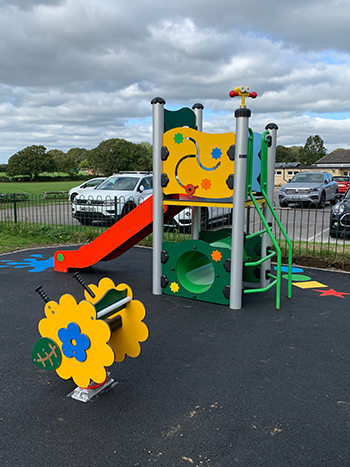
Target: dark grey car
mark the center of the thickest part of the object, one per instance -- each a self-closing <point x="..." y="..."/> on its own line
<point x="309" y="187"/>
<point x="340" y="218"/>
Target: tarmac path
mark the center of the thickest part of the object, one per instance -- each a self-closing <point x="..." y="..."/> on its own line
<point x="212" y="387"/>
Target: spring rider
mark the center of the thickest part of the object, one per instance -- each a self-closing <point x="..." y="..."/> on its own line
<point x="80" y="340"/>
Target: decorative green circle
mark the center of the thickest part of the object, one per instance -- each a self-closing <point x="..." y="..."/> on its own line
<point x="297" y="277"/>
<point x="60" y="257"/>
<point x="46" y="354"/>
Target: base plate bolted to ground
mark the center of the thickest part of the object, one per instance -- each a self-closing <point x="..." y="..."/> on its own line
<point x="85" y="395"/>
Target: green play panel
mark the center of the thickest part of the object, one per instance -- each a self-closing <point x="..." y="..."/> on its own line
<point x="179" y="118"/>
<point x="200" y="269"/>
<point x="195" y="269"/>
<point x="251" y="253"/>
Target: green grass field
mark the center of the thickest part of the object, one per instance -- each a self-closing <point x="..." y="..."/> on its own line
<point x="38" y="188"/>
<point x="21" y="236"/>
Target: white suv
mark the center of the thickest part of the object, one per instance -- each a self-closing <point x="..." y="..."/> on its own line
<point x="73" y="192"/>
<point x="114" y="198"/>
<point x="216" y="216"/>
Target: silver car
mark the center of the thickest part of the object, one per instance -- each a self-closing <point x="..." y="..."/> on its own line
<point x="309" y="188"/>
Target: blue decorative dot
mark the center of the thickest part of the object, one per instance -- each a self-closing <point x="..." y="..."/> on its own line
<point x="216" y="153"/>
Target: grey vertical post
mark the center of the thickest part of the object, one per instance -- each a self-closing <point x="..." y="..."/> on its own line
<point x="242" y="122"/>
<point x="158" y="130"/>
<point x="196" y="211"/>
<point x="266" y="241"/>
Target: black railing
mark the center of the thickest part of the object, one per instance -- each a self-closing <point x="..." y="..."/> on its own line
<point x="307" y="227"/>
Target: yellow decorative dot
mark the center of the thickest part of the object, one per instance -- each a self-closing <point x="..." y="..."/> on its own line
<point x="174" y="287"/>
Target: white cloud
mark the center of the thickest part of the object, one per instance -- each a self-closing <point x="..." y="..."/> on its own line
<point x="75" y="72"/>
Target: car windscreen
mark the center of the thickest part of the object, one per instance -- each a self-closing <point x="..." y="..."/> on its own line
<point x="307" y="178"/>
<point x="119" y="184"/>
<point x="341" y="179"/>
<point x="93" y="183"/>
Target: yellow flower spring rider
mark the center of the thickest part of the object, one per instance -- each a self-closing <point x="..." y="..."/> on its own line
<point x="80" y="340"/>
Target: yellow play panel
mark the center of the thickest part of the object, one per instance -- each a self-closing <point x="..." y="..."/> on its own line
<point x="197" y="163"/>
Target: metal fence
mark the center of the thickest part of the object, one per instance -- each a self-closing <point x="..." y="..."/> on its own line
<point x="307" y="228"/>
<point x="309" y="231"/>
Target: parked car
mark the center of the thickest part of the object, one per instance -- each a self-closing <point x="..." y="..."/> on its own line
<point x="340" y="217"/>
<point x="343" y="182"/>
<point x="94" y="182"/>
<point x="114" y="198"/>
<point x="309" y="187"/>
<point x="209" y="216"/>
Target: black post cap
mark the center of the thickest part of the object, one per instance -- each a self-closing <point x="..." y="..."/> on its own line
<point x="242" y="113"/>
<point x="271" y="126"/>
<point x="158" y="100"/>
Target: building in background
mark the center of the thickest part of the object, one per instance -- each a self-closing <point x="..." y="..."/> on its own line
<point x="336" y="163"/>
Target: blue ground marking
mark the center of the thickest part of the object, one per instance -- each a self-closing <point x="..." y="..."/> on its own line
<point x="285" y="269"/>
<point x="34" y="261"/>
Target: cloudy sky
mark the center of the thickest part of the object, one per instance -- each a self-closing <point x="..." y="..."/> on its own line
<point x="76" y="72"/>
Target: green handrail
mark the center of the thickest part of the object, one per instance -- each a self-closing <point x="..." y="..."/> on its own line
<point x="267" y="229"/>
<point x="255" y="234"/>
<point x="264" y="289"/>
<point x="278" y="251"/>
<point x="249" y="161"/>
<point x="260" y="261"/>
<point x="263" y="185"/>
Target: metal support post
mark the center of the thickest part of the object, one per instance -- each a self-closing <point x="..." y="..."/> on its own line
<point x="265" y="241"/>
<point x="158" y="130"/>
<point x="196" y="211"/>
<point x="242" y="123"/>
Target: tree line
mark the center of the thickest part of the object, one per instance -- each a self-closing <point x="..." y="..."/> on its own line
<point x="312" y="151"/>
<point x="117" y="154"/>
<point x="108" y="157"/>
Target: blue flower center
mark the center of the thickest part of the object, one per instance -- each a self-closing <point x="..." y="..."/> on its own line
<point x="74" y="343"/>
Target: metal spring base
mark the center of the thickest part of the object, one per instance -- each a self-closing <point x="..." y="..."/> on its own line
<point x="85" y="395"/>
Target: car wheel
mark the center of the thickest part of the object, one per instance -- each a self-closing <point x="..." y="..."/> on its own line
<point x="334" y="200"/>
<point x="229" y="218"/>
<point x="283" y="204"/>
<point x="333" y="234"/>
<point x="171" y="226"/>
<point x="322" y="200"/>
<point x="108" y="221"/>
<point x="128" y="208"/>
<point x="84" y="221"/>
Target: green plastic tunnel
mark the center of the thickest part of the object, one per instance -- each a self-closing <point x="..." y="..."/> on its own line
<point x="195" y="271"/>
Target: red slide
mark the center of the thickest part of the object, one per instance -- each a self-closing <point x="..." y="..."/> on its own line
<point x="115" y="241"/>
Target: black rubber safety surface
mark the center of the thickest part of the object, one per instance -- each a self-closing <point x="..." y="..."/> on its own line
<point x="212" y="387"/>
